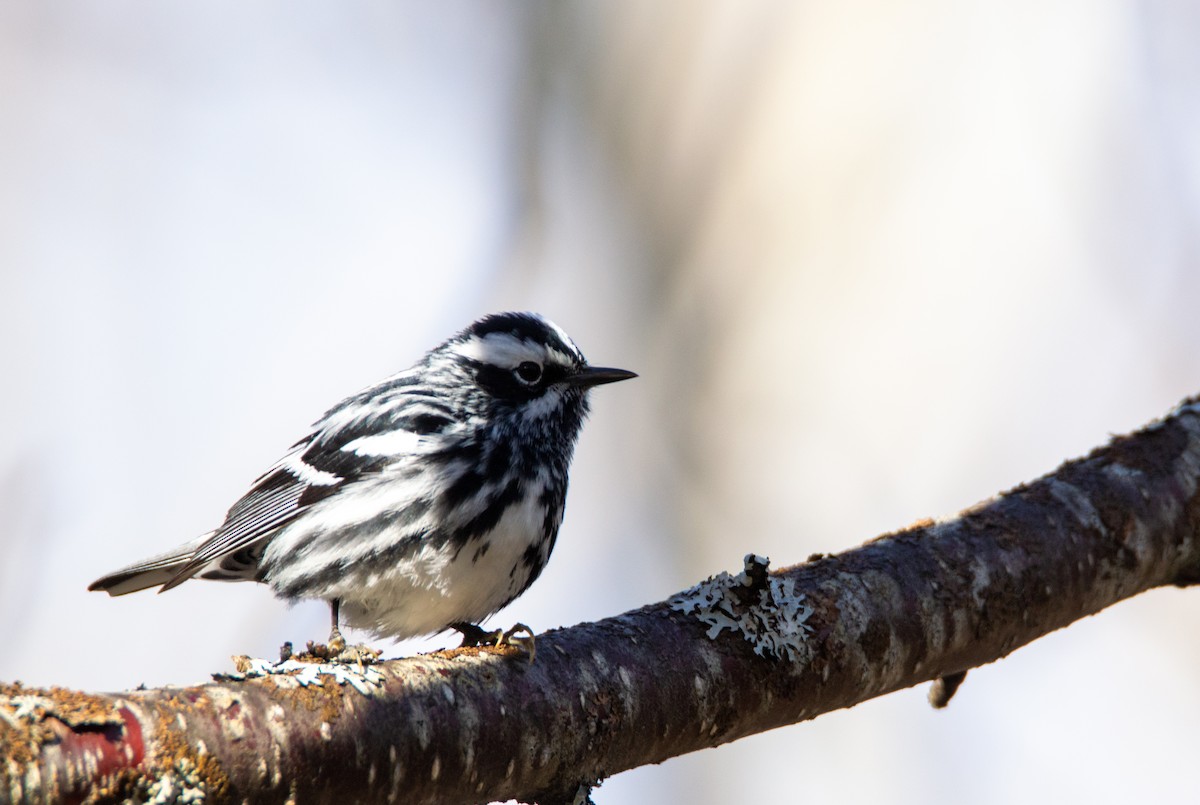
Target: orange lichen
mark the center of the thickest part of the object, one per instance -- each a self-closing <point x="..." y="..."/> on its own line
<point x="34" y="717"/>
<point x="172" y="754"/>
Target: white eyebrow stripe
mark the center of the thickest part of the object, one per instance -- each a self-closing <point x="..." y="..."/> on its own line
<point x="562" y="358"/>
<point x="501" y="349"/>
<point x="562" y="337"/>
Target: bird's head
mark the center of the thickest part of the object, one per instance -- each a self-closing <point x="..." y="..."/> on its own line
<point x="528" y="366"/>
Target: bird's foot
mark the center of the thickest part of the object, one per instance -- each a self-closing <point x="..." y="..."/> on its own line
<point x="476" y="636"/>
<point x="335" y="650"/>
<point x="360" y="654"/>
<point x="337" y="643"/>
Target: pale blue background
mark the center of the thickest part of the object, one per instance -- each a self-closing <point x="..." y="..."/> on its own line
<point x="874" y="262"/>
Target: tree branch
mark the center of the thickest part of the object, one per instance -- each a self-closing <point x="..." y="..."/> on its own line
<point x="731" y="657"/>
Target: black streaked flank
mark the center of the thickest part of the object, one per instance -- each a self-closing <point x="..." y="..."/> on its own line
<point x="497" y="504"/>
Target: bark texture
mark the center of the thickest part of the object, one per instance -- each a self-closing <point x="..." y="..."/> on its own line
<point x="735" y="655"/>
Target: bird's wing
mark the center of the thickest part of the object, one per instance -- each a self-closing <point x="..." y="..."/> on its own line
<point x="353" y="440"/>
<point x="277" y="497"/>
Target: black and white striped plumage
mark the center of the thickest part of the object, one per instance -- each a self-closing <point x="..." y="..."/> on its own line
<point x="430" y="499"/>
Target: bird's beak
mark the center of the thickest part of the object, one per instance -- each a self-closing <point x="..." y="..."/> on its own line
<point x="598" y="376"/>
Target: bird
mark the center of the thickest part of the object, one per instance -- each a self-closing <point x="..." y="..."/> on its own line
<point x="425" y="502"/>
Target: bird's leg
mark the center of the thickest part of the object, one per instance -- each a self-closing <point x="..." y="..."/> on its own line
<point x="337" y="650"/>
<point x="476" y="636"/>
<point x="337" y="643"/>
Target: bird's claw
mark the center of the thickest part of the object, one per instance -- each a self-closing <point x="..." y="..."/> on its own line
<point x="337" y="651"/>
<point x="337" y="643"/>
<point x="512" y="637"/>
<point x="474" y="636"/>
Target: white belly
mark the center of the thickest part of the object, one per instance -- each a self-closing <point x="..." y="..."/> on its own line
<point x="434" y="585"/>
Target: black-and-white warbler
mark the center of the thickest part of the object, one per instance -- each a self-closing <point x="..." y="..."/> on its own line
<point x="427" y="501"/>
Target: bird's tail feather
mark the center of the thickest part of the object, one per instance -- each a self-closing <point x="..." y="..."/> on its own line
<point x="152" y="572"/>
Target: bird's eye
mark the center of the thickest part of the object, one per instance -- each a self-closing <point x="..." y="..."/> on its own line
<point x="528" y="372"/>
